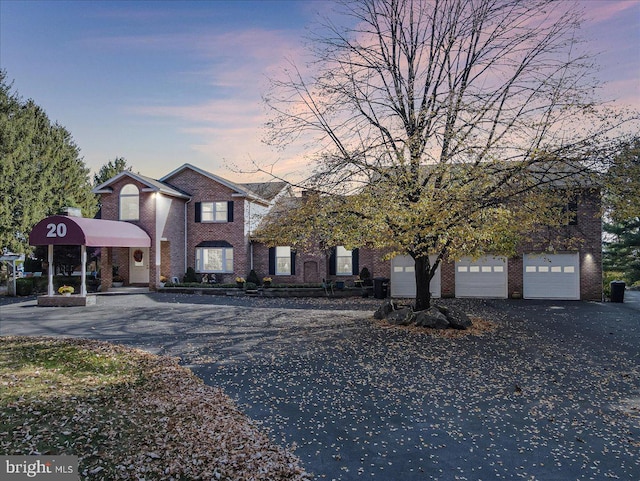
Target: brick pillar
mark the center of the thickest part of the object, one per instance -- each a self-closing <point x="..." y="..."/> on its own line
<point x="106" y="261"/>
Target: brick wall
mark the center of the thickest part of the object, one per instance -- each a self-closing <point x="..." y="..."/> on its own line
<point x="173" y="232"/>
<point x="585" y="238"/>
<point x="204" y="189"/>
<point x="317" y="260"/>
<point x="110" y="211"/>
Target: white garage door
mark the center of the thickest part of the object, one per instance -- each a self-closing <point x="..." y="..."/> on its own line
<point x="403" y="278"/>
<point x="551" y="276"/>
<point x="484" y="277"/>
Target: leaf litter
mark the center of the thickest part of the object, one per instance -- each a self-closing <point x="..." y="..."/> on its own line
<point x="148" y="418"/>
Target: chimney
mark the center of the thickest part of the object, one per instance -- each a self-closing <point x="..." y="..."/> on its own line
<point x="71" y="211"/>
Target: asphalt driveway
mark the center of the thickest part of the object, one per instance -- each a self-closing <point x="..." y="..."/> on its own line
<point x="552" y="393"/>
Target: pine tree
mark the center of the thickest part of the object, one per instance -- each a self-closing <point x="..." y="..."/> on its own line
<point x="41" y="170"/>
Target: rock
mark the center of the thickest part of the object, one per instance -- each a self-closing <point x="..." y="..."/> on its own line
<point x="432" y="318"/>
<point x="457" y="318"/>
<point x="401" y="317"/>
<point x="384" y="310"/>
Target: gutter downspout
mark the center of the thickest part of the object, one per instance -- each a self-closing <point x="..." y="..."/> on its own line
<point x="250" y="241"/>
<point x="185" y="233"/>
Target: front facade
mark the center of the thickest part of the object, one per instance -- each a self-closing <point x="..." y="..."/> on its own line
<point x="201" y="221"/>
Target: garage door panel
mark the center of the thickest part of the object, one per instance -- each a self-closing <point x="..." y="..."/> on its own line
<point x="551" y="276"/>
<point x="483" y="277"/>
<point x="403" y="278"/>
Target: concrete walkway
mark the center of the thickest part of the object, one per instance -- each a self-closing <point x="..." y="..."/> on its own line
<point x="552" y="394"/>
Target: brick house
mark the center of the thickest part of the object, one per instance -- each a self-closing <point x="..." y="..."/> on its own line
<point x="200" y="220"/>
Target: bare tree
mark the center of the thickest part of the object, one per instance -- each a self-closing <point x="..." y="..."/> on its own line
<point x="429" y="117"/>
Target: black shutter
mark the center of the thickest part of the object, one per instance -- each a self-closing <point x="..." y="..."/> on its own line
<point x="198" y="206"/>
<point x="332" y="262"/>
<point x="293" y="263"/>
<point x="230" y="211"/>
<point x="355" y="262"/>
<point x="272" y="261"/>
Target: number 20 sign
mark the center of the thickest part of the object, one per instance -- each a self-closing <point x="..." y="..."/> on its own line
<point x="56" y="230"/>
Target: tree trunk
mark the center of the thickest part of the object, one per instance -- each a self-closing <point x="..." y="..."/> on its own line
<point x="423" y="280"/>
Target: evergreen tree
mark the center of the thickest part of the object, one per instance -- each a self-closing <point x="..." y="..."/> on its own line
<point x="41" y="170"/>
<point x="110" y="169"/>
<point x="622" y="254"/>
<point x="622" y="201"/>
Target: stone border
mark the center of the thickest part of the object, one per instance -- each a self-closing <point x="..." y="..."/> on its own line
<point x="66" y="301"/>
<point x="270" y="292"/>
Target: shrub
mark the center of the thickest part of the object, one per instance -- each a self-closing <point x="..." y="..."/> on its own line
<point x="253" y="277"/>
<point x="190" y="276"/>
<point x="24" y="286"/>
<point x="250" y="286"/>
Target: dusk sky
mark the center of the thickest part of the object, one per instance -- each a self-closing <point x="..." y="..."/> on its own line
<point x="164" y="83"/>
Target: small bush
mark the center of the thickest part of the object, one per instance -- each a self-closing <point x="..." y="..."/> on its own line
<point x="253" y="277"/>
<point x="190" y="276"/>
<point x="250" y="286"/>
<point x="24" y="286"/>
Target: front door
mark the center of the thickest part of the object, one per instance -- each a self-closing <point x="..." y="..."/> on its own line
<point x="139" y="265"/>
<point x="311" y="272"/>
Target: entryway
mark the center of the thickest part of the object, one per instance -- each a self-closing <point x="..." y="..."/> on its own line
<point x="139" y="265"/>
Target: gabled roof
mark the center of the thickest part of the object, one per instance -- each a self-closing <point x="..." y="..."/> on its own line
<point x="265" y="190"/>
<point x="261" y="193"/>
<point x="153" y="185"/>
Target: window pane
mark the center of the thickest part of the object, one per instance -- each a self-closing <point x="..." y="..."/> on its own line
<point x="344" y="261"/>
<point x="221" y="212"/>
<point x="206" y="214"/>
<point x="283" y="266"/>
<point x="129" y="203"/>
<point x="214" y="260"/>
<point x="129" y="189"/>
<point x="213" y="211"/>
<point x="283" y="260"/>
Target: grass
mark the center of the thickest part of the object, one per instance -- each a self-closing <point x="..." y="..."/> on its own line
<point x="127" y="414"/>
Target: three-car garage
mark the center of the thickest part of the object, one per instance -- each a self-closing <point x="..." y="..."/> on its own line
<point x="543" y="276"/>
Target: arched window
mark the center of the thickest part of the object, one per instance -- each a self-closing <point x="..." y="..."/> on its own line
<point x="129" y="203"/>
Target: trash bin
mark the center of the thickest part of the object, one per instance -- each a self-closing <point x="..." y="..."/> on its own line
<point x="617" y="291"/>
<point x="380" y="287"/>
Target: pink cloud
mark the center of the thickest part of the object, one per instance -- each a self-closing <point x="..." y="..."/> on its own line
<point x="600" y="11"/>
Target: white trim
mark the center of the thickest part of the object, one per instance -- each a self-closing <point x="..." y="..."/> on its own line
<point x="240" y="192"/>
<point x="165" y="189"/>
